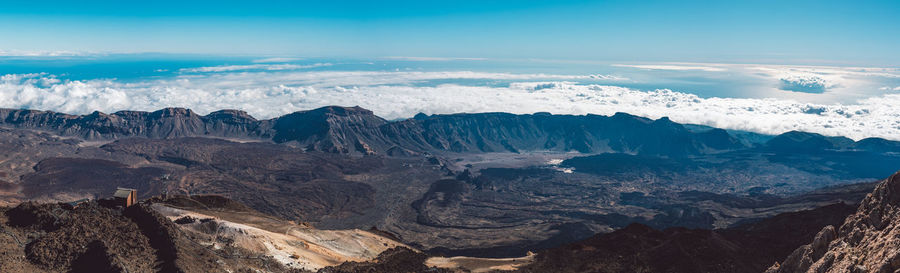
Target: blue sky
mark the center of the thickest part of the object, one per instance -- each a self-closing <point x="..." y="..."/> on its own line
<point x="828" y="67"/>
<point x="791" y="32"/>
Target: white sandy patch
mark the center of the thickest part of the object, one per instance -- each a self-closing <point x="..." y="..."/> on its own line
<point x="479" y="265"/>
<point x="301" y="247"/>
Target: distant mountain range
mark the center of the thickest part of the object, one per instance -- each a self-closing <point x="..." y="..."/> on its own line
<point x="354" y="130"/>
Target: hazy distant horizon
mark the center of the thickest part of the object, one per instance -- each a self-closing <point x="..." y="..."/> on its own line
<point x="828" y="67"/>
<point x="856" y="33"/>
<point x="848" y="101"/>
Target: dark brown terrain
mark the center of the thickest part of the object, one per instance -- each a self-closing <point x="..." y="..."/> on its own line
<point x="94" y="238"/>
<point x="392" y="260"/>
<point x="484" y="185"/>
<point x="639" y="248"/>
<point x="501" y="212"/>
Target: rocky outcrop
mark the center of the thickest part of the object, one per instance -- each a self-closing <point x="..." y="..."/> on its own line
<point x="868" y="241"/>
<point x="394" y="260"/>
<point x="165" y="123"/>
<point x="331" y="129"/>
<point x="98" y="236"/>
<point x="805" y="142"/>
<point x="94" y="238"/>
<point x="502" y="132"/>
<point x="639" y="248"/>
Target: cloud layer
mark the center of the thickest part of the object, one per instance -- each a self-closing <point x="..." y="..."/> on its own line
<point x="31" y="53"/>
<point x="675" y="67"/>
<point x="269" y="67"/>
<point x="398" y="95"/>
<point x="805" y="83"/>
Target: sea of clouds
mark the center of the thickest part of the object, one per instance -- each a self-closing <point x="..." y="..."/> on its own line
<point x="398" y="94"/>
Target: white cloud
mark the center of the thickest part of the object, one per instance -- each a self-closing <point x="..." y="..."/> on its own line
<point x="607" y="77"/>
<point x="431" y="59"/>
<point x="808" y="83"/>
<point x="773" y="69"/>
<point x="393" y="95"/>
<point x="46" y="53"/>
<point x="368" y="78"/>
<point x="826" y="70"/>
<point x="888" y="88"/>
<point x="676" y="67"/>
<point x="276" y="60"/>
<point x="827" y="80"/>
<point x="794" y="78"/>
<point x="270" y="67"/>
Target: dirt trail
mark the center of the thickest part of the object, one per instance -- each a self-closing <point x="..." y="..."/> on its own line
<point x="294" y="245"/>
<point x="479" y="265"/>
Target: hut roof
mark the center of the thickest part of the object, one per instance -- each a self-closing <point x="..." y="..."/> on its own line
<point x="122" y="192"/>
<point x="79" y="201"/>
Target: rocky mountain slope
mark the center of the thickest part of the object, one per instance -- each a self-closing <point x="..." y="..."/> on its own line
<point x="186" y="234"/>
<point x="93" y="238"/>
<point x="639" y="248"/>
<point x="867" y="241"/>
<point x="357" y="130"/>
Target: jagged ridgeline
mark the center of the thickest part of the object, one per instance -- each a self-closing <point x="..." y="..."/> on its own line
<point x="358" y="131"/>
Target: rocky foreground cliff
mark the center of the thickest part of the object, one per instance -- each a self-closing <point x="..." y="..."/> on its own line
<point x="186" y="234"/>
<point x="868" y="240"/>
<point x="638" y="248"/>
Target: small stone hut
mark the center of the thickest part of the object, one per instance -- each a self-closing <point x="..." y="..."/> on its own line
<point x="125" y="197"/>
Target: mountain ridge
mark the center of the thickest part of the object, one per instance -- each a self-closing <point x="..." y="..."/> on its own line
<point x="355" y="130"/>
